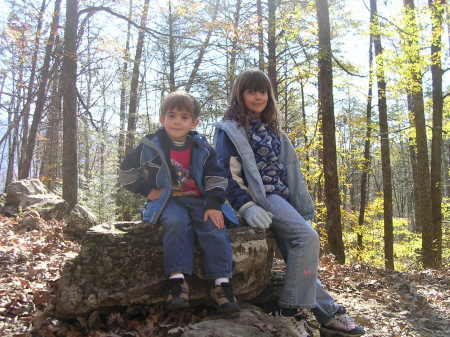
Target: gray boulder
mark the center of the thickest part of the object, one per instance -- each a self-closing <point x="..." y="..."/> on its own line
<point x="78" y="221"/>
<point x="122" y="264"/>
<point x="252" y="322"/>
<point x="31" y="195"/>
<point x="16" y="191"/>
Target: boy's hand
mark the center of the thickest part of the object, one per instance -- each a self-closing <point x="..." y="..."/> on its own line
<point x="215" y="216"/>
<point x="154" y="194"/>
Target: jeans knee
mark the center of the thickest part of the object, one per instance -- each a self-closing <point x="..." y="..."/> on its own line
<point x="308" y="239"/>
<point x="313" y="239"/>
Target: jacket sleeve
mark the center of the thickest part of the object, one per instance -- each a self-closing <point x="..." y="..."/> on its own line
<point x="229" y="159"/>
<point x="215" y="182"/>
<point x="132" y="176"/>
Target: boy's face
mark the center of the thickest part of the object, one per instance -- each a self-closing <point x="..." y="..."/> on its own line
<point x="177" y="123"/>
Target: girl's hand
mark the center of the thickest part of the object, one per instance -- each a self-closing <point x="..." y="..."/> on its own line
<point x="154" y="194"/>
<point x="257" y="217"/>
<point x="215" y="216"/>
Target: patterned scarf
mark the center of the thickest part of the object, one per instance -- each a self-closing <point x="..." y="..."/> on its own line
<point x="266" y="146"/>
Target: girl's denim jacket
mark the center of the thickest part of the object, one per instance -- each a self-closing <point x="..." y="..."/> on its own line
<point x="245" y="184"/>
<point x="147" y="167"/>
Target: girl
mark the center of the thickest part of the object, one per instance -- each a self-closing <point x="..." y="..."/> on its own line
<point x="267" y="188"/>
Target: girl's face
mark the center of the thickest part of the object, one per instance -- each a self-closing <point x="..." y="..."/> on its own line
<point x="255" y="101"/>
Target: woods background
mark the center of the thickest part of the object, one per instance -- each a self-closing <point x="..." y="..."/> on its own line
<point x="363" y="93"/>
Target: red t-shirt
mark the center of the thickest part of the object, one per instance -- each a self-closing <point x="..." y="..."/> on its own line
<point x="181" y="162"/>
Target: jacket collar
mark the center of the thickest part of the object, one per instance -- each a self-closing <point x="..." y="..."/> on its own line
<point x="161" y="137"/>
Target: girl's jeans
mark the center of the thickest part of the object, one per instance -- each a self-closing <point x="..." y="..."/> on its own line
<point x="183" y="224"/>
<point x="299" y="244"/>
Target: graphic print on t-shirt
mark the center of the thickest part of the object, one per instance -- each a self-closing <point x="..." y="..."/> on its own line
<point x="181" y="162"/>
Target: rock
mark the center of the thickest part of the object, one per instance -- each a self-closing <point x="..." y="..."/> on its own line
<point x="31" y="194"/>
<point x="252" y="322"/>
<point x="17" y="189"/>
<point x="122" y="264"/>
<point x="2" y="200"/>
<point x="30" y="221"/>
<point x="78" y="221"/>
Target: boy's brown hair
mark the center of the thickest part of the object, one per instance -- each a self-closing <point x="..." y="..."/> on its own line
<point x="183" y="101"/>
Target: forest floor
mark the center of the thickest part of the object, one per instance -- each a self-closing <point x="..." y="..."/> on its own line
<point x="414" y="303"/>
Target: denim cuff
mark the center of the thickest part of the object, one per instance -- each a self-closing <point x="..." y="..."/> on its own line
<point x="182" y="270"/>
<point x="214" y="276"/>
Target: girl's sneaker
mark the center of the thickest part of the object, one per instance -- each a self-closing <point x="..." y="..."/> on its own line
<point x="342" y="325"/>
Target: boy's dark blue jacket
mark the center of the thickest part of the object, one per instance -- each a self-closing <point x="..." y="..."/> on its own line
<point x="148" y="167"/>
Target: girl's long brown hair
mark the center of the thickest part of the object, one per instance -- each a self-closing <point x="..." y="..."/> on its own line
<point x="258" y="81"/>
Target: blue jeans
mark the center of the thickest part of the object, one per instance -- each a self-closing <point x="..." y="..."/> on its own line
<point x="182" y="219"/>
<point x="299" y="244"/>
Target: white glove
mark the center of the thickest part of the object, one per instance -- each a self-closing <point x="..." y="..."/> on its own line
<point x="257" y="217"/>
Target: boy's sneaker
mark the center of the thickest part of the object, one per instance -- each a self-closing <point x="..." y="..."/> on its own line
<point x="223" y="297"/>
<point x="178" y="294"/>
<point x="297" y="324"/>
<point x="343" y="325"/>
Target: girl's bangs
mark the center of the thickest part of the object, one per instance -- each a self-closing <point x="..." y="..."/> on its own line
<point x="255" y="81"/>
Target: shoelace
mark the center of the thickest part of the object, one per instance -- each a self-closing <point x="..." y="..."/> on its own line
<point x="346" y="320"/>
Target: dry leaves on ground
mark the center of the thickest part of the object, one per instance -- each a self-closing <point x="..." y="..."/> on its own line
<point x="415" y="304"/>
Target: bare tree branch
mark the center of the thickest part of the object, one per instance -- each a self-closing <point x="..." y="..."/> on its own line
<point x="343" y="67"/>
<point x="86" y="108"/>
<point x="387" y="20"/>
<point x="92" y="10"/>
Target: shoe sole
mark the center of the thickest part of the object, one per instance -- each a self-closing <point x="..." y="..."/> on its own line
<point x="229" y="310"/>
<point x="177" y="306"/>
<point x="324" y="332"/>
<point x="221" y="314"/>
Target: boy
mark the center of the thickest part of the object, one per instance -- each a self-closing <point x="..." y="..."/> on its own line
<point x="177" y="171"/>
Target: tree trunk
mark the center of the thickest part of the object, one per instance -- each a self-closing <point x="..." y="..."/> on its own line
<point x="85" y="149"/>
<point x="15" y="107"/>
<point x="437" y="12"/>
<point x="448" y="27"/>
<point x="413" y="159"/>
<point x="51" y="157"/>
<point x="366" y="160"/>
<point x="171" y="51"/>
<point x="384" y="139"/>
<point x="120" y="198"/>
<point x="259" y="15"/>
<point x="12" y="142"/>
<point x="272" y="46"/>
<point x="123" y="88"/>
<point x="132" y="114"/>
<point x="70" y="122"/>
<point x="447" y="169"/>
<point x="31" y="85"/>
<point x="305" y="133"/>
<point x="326" y="108"/>
<point x="88" y="148"/>
<point x="40" y="100"/>
<point x="423" y="217"/>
